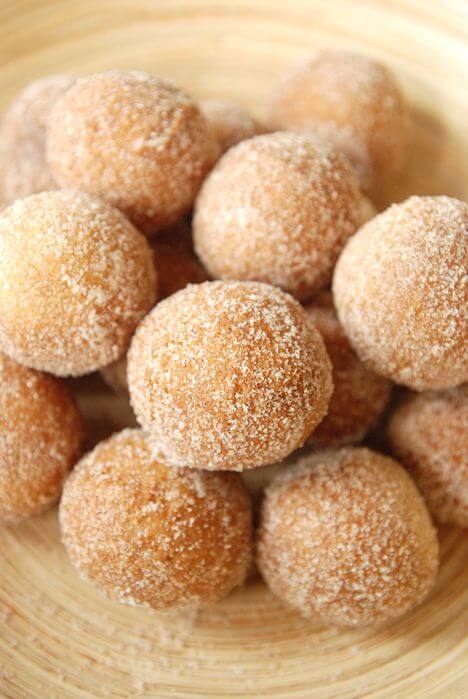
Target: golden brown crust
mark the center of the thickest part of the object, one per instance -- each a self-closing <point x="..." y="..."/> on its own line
<point x="228" y="375"/>
<point x="345" y="537"/>
<point x="135" y="140"/>
<point x="429" y="433"/>
<point x="352" y="101"/>
<point x="149" y="535"/>
<point x="24" y="169"/>
<point x="66" y="260"/>
<point x="277" y="208"/>
<point x="41" y="433"/>
<point x="400" y="291"/>
<point x="359" y="395"/>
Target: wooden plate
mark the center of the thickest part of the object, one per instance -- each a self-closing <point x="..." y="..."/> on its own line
<point x="59" y="637"/>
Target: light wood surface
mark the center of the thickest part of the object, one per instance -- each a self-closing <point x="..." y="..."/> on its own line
<point x="58" y="636"/>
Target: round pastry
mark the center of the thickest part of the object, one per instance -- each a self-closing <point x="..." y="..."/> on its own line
<point x="155" y="536"/>
<point x="75" y="278"/>
<point x="400" y="292"/>
<point x="228" y="375"/>
<point x="40" y="439"/>
<point x="359" y="396"/>
<point x="230" y="122"/>
<point x="345" y="538"/>
<point x="354" y="102"/>
<point x="429" y="433"/>
<point x="137" y="141"/>
<point x="24" y="169"/>
<point x="277" y="208"/>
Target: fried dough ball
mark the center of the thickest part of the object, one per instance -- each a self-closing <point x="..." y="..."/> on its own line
<point x="135" y="140"/>
<point x="359" y="396"/>
<point x="24" y="169"/>
<point x="176" y="267"/>
<point x="230" y="122"/>
<point x="40" y="439"/>
<point x="75" y="277"/>
<point x="429" y="433"/>
<point x="400" y="292"/>
<point x="155" y="536"/>
<point x="277" y="208"/>
<point x="354" y="102"/>
<point x="228" y="375"/>
<point x="345" y="538"/>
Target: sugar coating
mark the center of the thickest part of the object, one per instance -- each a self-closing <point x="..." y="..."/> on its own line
<point x="400" y="292"/>
<point x="40" y="438"/>
<point x="153" y="536"/>
<point x="228" y="375"/>
<point x="345" y="537"/>
<point x="354" y="102"/>
<point x="359" y="395"/>
<point x="277" y="208"/>
<point x="137" y="141"/>
<point x="230" y="122"/>
<point x="176" y="267"/>
<point x="429" y="433"/>
<point x="75" y="279"/>
<point x="23" y="164"/>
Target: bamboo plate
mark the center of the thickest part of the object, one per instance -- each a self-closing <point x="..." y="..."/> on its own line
<point x="60" y="638"/>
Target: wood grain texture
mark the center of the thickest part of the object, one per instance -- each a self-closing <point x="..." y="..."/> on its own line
<point x="58" y="636"/>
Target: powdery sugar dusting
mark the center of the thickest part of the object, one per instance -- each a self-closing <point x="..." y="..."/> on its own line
<point x="401" y="294"/>
<point x="345" y="536"/>
<point x="149" y="535"/>
<point x="352" y="101"/>
<point x="359" y="396"/>
<point x="429" y="433"/>
<point x="40" y="437"/>
<point x="23" y="164"/>
<point x="228" y="375"/>
<point x="277" y="208"/>
<point x="75" y="279"/>
<point x="135" y="140"/>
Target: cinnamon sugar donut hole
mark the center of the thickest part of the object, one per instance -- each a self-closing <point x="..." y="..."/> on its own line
<point x="359" y="396"/>
<point x="429" y="433"/>
<point x="228" y="375"/>
<point x="400" y="292"/>
<point x="135" y="140"/>
<point x="176" y="267"/>
<point x="277" y="208"/>
<point x="24" y="169"/>
<point x="75" y="278"/>
<point x="40" y="439"/>
<point x="345" y="538"/>
<point x="149" y="535"/>
<point x="230" y="122"/>
<point x="352" y="101"/>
